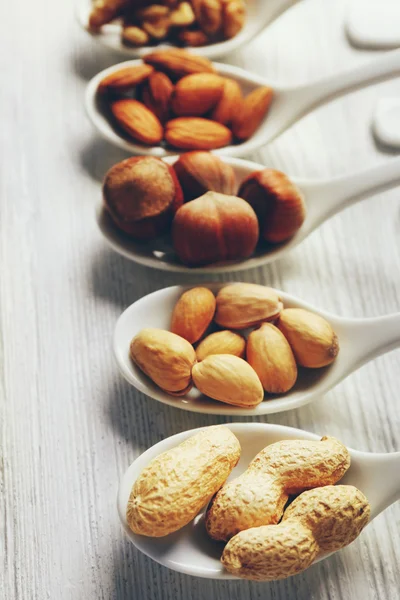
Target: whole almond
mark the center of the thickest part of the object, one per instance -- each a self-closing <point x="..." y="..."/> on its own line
<point x="221" y="342"/>
<point x="195" y="133"/>
<point x="164" y="357"/>
<point x="177" y="63"/>
<point x="138" y="121"/>
<point x="312" y="339"/>
<point x="241" y="305"/>
<point x="270" y="355"/>
<point x="193" y="313"/>
<point x="196" y="94"/>
<point x="229" y="379"/>
<point x="229" y="103"/>
<point x="208" y="15"/>
<point x="125" y="79"/>
<point x="252" y="112"/>
<point x="157" y="94"/>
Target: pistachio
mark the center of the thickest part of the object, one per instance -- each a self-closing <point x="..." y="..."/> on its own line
<point x="193" y="313"/>
<point x="242" y="305"/>
<point x="221" y="342"/>
<point x="312" y="339"/>
<point x="270" y="355"/>
<point x="228" y="379"/>
<point x="166" y="358"/>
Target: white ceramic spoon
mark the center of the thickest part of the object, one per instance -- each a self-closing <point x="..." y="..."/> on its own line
<point x="191" y="551"/>
<point x="323" y="200"/>
<point x="360" y="341"/>
<point x="260" y="13"/>
<point x="288" y="106"/>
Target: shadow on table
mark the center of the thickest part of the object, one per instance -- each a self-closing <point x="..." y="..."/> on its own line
<point x="98" y="156"/>
<point x="122" y="281"/>
<point x="136" y="576"/>
<point x="92" y="58"/>
<point x="381" y="147"/>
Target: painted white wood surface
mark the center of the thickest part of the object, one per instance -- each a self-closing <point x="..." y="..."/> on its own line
<point x="69" y="424"/>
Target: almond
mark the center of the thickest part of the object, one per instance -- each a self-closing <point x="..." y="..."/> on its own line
<point x="193" y="314"/>
<point x="157" y="94"/>
<point x="229" y="103"/>
<point x="270" y="355"/>
<point x="138" y="121"/>
<point x="125" y="79"/>
<point x="196" y="94"/>
<point x="177" y="63"/>
<point x="253" y="110"/>
<point x="194" y="133"/>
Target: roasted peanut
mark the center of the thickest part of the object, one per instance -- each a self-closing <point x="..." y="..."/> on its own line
<point x="319" y="521"/>
<point x="175" y="485"/>
<point x="259" y="495"/>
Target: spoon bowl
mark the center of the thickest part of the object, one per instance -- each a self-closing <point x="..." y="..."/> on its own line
<point x="289" y="104"/>
<point x="192" y="552"/>
<point x="360" y="341"/>
<point x="323" y="200"/>
<point x="259" y="15"/>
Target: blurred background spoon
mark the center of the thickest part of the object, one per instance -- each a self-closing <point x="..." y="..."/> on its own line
<point x="360" y="340"/>
<point x="323" y="200"/>
<point x="191" y="551"/>
<point x="260" y="13"/>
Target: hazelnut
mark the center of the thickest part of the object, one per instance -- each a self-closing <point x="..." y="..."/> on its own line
<point x="278" y="204"/>
<point x="142" y="195"/>
<point x="214" y="228"/>
<point x="200" y="172"/>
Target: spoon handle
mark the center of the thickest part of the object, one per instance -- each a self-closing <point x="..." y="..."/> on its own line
<point x="329" y="88"/>
<point x="383" y="472"/>
<point x="326" y="198"/>
<point x="372" y="337"/>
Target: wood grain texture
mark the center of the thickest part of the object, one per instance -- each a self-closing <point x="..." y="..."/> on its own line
<point x="69" y="424"/>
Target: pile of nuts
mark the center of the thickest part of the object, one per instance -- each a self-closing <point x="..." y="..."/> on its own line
<point x="194" y="201"/>
<point x="186" y="23"/>
<point x="177" y="99"/>
<point x="225" y="365"/>
<point x="267" y="539"/>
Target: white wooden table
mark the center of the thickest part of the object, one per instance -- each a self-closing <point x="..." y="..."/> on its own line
<point x="69" y="424"/>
